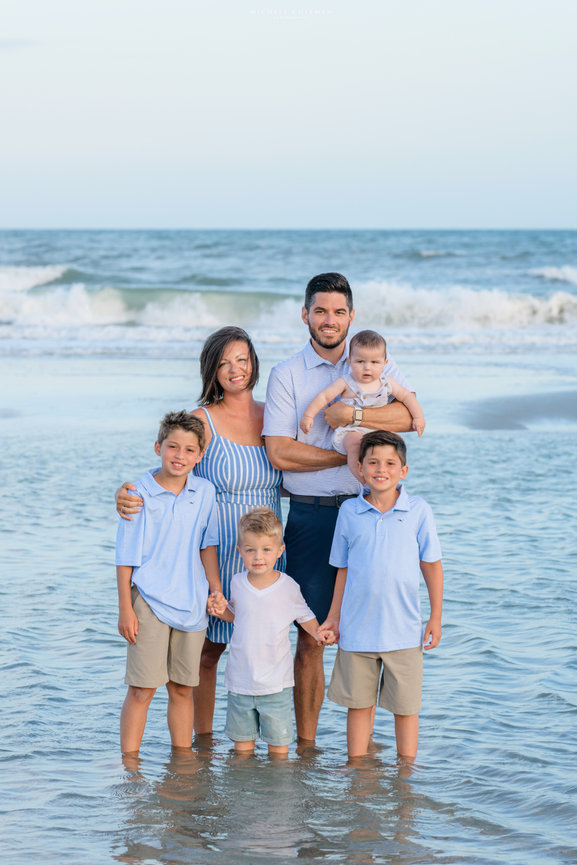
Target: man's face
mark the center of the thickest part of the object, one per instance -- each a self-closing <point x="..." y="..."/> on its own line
<point x="328" y="318"/>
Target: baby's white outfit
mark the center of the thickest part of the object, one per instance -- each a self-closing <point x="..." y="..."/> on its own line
<point x="360" y="400"/>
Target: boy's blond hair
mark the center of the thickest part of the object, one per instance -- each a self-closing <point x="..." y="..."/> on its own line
<point x="260" y="521"/>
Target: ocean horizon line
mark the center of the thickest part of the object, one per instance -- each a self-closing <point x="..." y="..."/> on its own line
<point x="273" y="230"/>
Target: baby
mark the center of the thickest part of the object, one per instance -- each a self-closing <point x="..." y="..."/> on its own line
<point x="366" y="385"/>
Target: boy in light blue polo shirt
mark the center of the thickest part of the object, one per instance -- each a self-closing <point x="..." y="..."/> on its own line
<point x="166" y="565"/>
<point x="384" y="539"/>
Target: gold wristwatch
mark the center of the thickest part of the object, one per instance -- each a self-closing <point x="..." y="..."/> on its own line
<point x="358" y="415"/>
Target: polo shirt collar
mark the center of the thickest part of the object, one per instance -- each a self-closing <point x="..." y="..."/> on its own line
<point x="312" y="358"/>
<point x="154" y="489"/>
<point x="402" y="503"/>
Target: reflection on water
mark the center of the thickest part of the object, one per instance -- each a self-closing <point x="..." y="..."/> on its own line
<point x="212" y="806"/>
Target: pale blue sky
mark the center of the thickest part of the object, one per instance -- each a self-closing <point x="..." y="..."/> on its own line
<point x="393" y="114"/>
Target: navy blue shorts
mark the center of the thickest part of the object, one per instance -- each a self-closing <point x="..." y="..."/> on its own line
<point x="308" y="537"/>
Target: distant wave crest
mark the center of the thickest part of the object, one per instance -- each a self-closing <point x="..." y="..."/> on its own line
<point x="557" y="274"/>
<point x="19" y="278"/>
<point x="390" y="304"/>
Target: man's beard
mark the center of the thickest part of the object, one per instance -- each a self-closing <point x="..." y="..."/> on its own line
<point x="318" y="338"/>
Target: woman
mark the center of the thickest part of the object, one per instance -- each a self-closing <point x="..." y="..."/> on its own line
<point x="235" y="462"/>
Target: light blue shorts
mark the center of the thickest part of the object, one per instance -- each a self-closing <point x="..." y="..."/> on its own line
<point x="267" y="715"/>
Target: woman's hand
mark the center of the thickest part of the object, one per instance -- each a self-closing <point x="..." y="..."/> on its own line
<point x="126" y="503"/>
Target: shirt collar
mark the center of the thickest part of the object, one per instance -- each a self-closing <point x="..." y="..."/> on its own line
<point x="155" y="489"/>
<point x="312" y="358"/>
<point x="402" y="503"/>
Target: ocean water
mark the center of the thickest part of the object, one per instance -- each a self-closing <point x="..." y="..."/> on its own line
<point x="99" y="335"/>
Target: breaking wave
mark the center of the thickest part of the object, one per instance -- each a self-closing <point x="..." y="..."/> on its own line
<point x="36" y="315"/>
<point x="557" y="274"/>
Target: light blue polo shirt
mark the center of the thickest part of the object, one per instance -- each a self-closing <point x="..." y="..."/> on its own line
<point x="292" y="384"/>
<point x="163" y="543"/>
<point x="381" y="610"/>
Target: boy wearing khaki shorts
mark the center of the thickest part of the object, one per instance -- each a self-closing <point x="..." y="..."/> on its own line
<point x="383" y="540"/>
<point x="166" y="565"/>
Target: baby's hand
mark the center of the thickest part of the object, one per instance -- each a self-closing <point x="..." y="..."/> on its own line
<point x="216" y="604"/>
<point x="419" y="425"/>
<point x="306" y="423"/>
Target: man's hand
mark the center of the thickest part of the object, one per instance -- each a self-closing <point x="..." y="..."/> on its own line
<point x="339" y="414"/>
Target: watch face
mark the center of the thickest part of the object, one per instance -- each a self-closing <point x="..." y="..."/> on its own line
<point x="358" y="415"/>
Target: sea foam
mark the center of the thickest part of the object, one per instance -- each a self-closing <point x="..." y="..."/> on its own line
<point x="394" y="304"/>
<point x="557" y="274"/>
<point x="20" y="278"/>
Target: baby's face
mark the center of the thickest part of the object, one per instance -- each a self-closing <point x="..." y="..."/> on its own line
<point x="367" y="364"/>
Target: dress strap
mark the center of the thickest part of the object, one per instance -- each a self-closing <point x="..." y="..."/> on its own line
<point x="209" y="419"/>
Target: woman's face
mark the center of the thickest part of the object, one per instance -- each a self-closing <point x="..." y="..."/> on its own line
<point x="234" y="368"/>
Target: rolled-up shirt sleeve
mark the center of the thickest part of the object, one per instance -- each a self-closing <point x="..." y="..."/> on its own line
<point x="280" y="413"/>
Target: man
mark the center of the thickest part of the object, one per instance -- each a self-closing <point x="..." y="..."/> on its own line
<point x="315" y="476"/>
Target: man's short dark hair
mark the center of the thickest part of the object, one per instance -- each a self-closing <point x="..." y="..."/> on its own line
<point x="379" y="438"/>
<point x="331" y="282"/>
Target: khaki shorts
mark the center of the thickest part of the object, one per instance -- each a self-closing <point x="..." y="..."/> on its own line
<point x="395" y="677"/>
<point x="161" y="654"/>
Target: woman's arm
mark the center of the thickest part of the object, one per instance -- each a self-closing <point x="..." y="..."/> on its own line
<point x="127" y="503"/>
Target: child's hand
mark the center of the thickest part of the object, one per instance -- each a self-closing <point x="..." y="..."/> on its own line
<point x="328" y="632"/>
<point x="306" y="423"/>
<point x="128" y="625"/>
<point x="432" y="634"/>
<point x="216" y="604"/>
<point x="419" y="425"/>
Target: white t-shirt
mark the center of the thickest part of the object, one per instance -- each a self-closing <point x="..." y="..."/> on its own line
<point x="260" y="659"/>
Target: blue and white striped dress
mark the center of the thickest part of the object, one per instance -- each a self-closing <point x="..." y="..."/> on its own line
<point x="244" y="479"/>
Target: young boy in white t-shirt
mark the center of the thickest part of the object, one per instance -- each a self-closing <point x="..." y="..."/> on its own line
<point x="263" y="604"/>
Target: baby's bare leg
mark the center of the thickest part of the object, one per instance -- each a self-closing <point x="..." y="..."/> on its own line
<point x="244" y="747"/>
<point x="352" y="446"/>
<point x="359" y="729"/>
<point x="133" y="718"/>
<point x="407" y="734"/>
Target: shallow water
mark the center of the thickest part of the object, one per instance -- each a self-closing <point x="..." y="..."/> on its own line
<point x="495" y="778"/>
